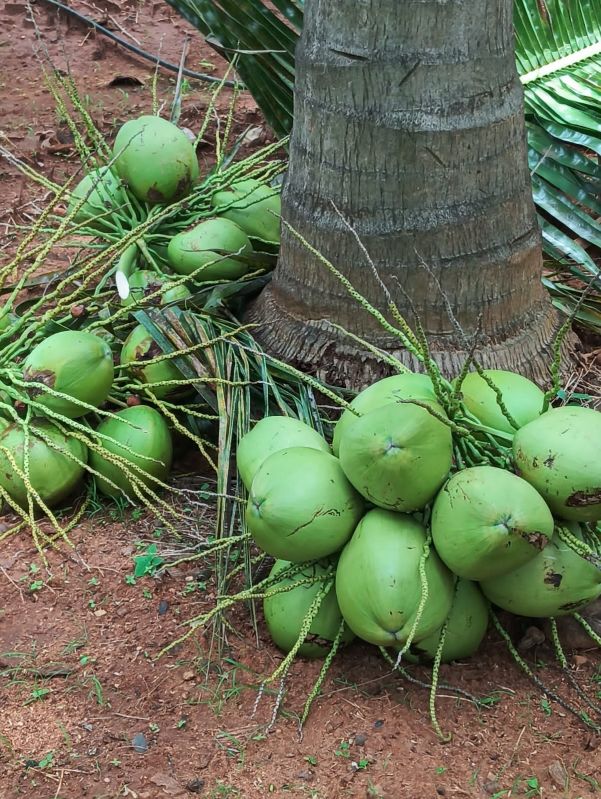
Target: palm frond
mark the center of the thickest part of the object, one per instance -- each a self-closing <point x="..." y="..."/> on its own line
<point x="558" y="51"/>
<point x="558" y="55"/>
<point x="261" y="43"/>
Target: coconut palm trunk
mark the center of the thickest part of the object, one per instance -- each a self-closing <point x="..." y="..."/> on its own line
<point x="409" y="125"/>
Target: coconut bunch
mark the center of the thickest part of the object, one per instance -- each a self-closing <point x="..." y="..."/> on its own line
<point x="144" y="220"/>
<point x="102" y="339"/>
<point x="412" y="541"/>
<point x="57" y="426"/>
<point x="218" y="228"/>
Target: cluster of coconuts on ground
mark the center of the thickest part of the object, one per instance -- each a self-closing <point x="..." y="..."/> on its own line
<point x="155" y="163"/>
<point x="369" y="505"/>
<point x="68" y="376"/>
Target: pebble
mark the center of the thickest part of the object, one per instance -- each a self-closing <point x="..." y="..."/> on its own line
<point x="378" y="724"/>
<point x="305" y="775"/>
<point x="558" y="774"/>
<point x="163" y="607"/>
<point x="533" y="636"/>
<point x="195" y="786"/>
<point x="360" y="739"/>
<point x="188" y="675"/>
<point x="99" y="613"/>
<point x="139" y="743"/>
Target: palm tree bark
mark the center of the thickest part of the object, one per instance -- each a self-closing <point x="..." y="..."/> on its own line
<point x="409" y="125"/>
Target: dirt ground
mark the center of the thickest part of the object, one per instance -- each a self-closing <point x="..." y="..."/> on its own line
<point x="87" y="709"/>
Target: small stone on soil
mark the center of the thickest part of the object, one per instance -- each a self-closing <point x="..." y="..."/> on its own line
<point x="305" y="775"/>
<point x="188" y="675"/>
<point x="163" y="607"/>
<point x="139" y="743"/>
<point x="360" y="739"/>
<point x="558" y="774"/>
<point x="378" y="724"/>
<point x="195" y="786"/>
<point x="533" y="636"/>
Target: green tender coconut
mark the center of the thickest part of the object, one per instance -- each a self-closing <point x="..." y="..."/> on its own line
<point x="141" y="283"/>
<point x="76" y="363"/>
<point x="556" y="582"/>
<point x="397" y="387"/>
<point x="378" y="583"/>
<point x="175" y="294"/>
<point x="560" y="455"/>
<point x="522" y="398"/>
<point x="397" y="456"/>
<point x="155" y="159"/>
<point x="301" y="506"/>
<point x="467" y="625"/>
<point x="285" y="613"/>
<point x="7" y="319"/>
<point x="254" y="206"/>
<point x="206" y="245"/>
<point x="487" y="522"/>
<point x="53" y="474"/>
<point x="140" y="346"/>
<point x="270" y="435"/>
<point x="139" y="435"/>
<point x="102" y="193"/>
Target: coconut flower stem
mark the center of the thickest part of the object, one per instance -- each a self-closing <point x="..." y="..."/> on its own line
<point x="587" y="628"/>
<point x="444" y="737"/>
<point x="579" y="714"/>
<point x="580" y="547"/>
<point x="322" y="674"/>
<point x="565" y="667"/>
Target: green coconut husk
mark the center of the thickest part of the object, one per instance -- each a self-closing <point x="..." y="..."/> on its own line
<point x="301" y="506"/>
<point x="139" y="347"/>
<point x="272" y="434"/>
<point x="487" y="522"/>
<point x="252" y="205"/>
<point x="380" y="581"/>
<point x="155" y="159"/>
<point x="466" y="627"/>
<point x="559" y="454"/>
<point x="55" y="462"/>
<point x="285" y="612"/>
<point x="398" y="455"/>
<point x="74" y="364"/>
<point x="143" y="282"/>
<point x="523" y="399"/>
<point x="141" y="437"/>
<point x="405" y="386"/>
<point x="556" y="582"/>
<point x="215" y="249"/>
<point x="101" y="193"/>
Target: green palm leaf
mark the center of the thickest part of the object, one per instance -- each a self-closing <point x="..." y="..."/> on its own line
<point x="262" y="43"/>
<point x="558" y="54"/>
